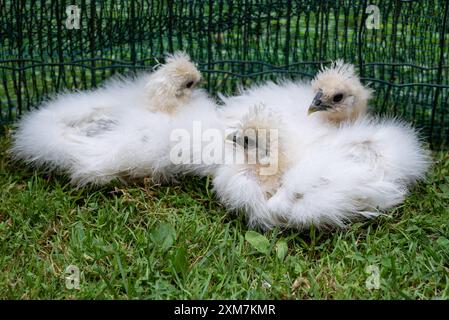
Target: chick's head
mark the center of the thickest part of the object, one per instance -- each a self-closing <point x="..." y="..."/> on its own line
<point x="181" y="74"/>
<point x="171" y="85"/>
<point x="339" y="94"/>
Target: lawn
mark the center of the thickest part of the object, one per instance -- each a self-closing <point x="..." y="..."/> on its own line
<point x="166" y="242"/>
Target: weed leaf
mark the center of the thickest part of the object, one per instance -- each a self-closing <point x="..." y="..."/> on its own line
<point x="164" y="235"/>
<point x="258" y="241"/>
<point x="281" y="249"/>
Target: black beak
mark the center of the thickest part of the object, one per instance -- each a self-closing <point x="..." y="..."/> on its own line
<point x="244" y="141"/>
<point x="317" y="103"/>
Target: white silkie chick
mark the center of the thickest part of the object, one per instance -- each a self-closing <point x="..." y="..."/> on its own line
<point x="334" y="174"/>
<point x="121" y="130"/>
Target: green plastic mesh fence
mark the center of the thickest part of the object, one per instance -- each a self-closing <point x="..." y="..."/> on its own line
<point x="400" y="47"/>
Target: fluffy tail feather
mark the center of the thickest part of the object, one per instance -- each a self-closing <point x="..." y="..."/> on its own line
<point x="43" y="138"/>
<point x="390" y="146"/>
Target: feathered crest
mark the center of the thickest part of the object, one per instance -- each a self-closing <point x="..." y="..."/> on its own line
<point x="339" y="67"/>
<point x="177" y="56"/>
<point x="260" y="117"/>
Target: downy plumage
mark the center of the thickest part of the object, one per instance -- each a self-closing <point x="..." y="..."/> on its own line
<point x="338" y="164"/>
<point x="121" y="130"/>
<point x="310" y="154"/>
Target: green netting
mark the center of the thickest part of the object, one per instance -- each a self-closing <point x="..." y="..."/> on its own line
<point x="234" y="42"/>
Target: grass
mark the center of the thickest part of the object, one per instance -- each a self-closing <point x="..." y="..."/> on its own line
<point x="166" y="242"/>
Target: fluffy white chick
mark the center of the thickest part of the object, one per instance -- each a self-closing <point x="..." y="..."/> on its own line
<point x="120" y="130"/>
<point x="343" y="174"/>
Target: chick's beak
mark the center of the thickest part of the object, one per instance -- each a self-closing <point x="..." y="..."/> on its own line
<point x="317" y="104"/>
<point x="232" y="137"/>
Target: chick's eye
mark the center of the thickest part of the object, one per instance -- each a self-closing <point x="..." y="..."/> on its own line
<point x="189" y="84"/>
<point x="338" y="97"/>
